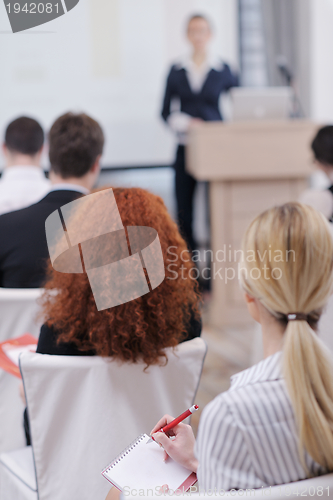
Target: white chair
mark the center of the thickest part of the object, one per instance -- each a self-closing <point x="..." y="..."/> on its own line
<point x="18" y="311"/>
<point x="83" y="411"/>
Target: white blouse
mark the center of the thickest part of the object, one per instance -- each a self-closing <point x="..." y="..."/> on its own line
<point x="178" y="121"/>
<point x="21" y="186"/>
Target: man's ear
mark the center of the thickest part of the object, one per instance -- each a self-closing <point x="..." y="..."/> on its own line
<point x="39" y="153"/>
<point x="4" y="149"/>
<point x="96" y="166"/>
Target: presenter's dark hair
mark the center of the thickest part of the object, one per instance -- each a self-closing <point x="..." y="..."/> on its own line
<point x="24" y="135"/>
<point x="322" y="145"/>
<point x="75" y="142"/>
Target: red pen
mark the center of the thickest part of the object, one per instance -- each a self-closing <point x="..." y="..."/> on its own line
<point x="176" y="421"/>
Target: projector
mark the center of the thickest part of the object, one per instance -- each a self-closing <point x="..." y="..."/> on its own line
<point x="25" y="15"/>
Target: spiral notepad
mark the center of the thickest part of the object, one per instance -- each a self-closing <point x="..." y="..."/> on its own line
<point x="141" y="466"/>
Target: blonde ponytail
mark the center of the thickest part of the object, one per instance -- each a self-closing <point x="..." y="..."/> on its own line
<point x="308" y="375"/>
<point x="301" y="284"/>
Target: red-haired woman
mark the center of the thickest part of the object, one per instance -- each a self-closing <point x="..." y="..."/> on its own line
<point x="137" y="330"/>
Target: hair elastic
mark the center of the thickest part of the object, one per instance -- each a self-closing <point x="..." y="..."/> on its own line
<point x="297" y="317"/>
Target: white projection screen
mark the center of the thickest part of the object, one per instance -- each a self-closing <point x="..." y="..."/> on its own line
<point x="108" y="58"/>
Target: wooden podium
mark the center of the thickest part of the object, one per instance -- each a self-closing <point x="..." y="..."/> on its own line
<point x="251" y="166"/>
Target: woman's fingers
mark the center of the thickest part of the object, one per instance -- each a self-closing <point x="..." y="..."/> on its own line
<point x="163" y="440"/>
<point x="113" y="494"/>
<point x="181" y="448"/>
<point x="161" y="423"/>
<point x="164" y="488"/>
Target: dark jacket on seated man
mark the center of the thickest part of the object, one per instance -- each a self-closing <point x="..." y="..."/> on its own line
<point x="75" y="147"/>
<point x="23" y="248"/>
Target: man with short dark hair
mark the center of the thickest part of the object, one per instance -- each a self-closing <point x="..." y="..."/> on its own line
<point x="322" y="148"/>
<point x="76" y="144"/>
<point x="23" y="182"/>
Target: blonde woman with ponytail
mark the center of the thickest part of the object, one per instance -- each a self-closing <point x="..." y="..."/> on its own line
<point x="275" y="423"/>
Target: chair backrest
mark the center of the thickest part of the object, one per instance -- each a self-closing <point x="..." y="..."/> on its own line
<point x="84" y="411"/>
<point x="18" y="310"/>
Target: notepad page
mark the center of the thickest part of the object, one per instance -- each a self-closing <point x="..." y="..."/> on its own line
<point x="14" y="352"/>
<point x="143" y="468"/>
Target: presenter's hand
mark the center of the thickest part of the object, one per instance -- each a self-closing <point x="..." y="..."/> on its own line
<point x="181" y="447"/>
<point x="195" y="122"/>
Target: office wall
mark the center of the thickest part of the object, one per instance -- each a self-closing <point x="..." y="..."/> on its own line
<point x="321" y="75"/>
<point x="109" y="58"/>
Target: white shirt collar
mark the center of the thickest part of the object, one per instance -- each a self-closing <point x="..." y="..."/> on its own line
<point x="268" y="369"/>
<point x="22" y="171"/>
<point x="212" y="62"/>
<point x="69" y="187"/>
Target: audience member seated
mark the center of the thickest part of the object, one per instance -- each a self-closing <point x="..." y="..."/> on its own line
<point x="75" y="147"/>
<point x="322" y="147"/>
<point x="23" y="182"/>
<point x="274" y="425"/>
<point x="139" y="329"/>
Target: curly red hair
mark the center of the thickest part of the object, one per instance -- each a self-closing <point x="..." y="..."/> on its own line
<point x="142" y="328"/>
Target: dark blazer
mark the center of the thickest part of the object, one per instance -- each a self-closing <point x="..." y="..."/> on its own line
<point x="23" y="248"/>
<point x="48" y="340"/>
<point x="205" y="104"/>
<point x="48" y="344"/>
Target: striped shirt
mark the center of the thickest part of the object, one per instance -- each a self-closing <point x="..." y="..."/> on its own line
<point x="247" y="436"/>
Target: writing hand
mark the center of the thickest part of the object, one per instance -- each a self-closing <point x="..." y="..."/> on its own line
<point x="181" y="448"/>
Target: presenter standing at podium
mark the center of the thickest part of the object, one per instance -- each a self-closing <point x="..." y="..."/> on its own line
<point x="194" y="85"/>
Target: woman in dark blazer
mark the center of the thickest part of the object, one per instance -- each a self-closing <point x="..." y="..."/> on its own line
<point x="196" y="83"/>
